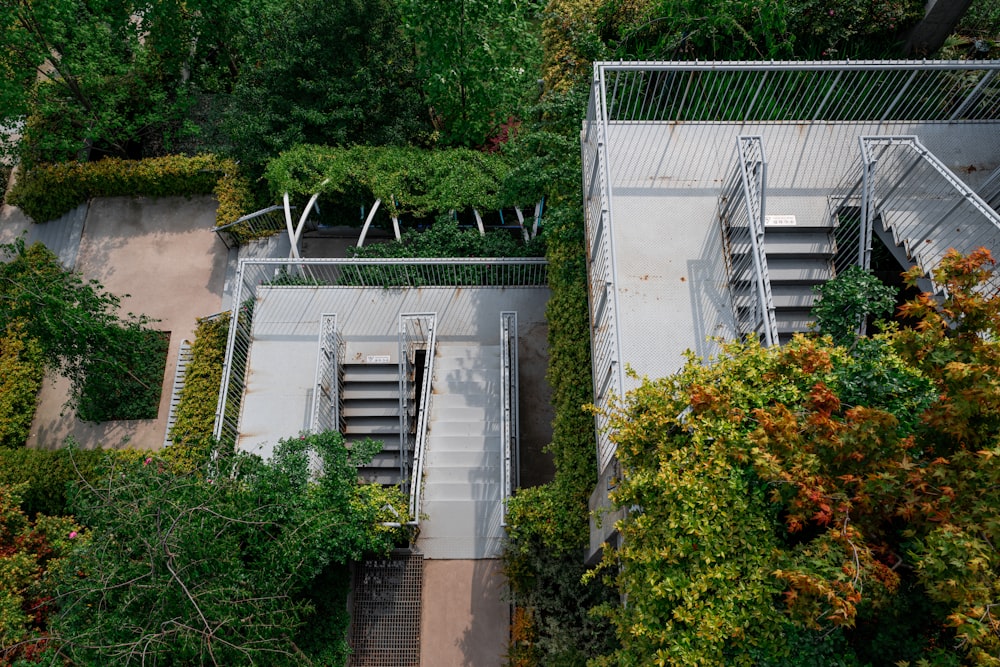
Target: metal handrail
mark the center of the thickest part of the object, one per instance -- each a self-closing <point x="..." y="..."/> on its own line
<point x="509" y="415"/>
<point x="741" y="214"/>
<point x="259" y="224"/>
<point x="416" y="331"/>
<point x="326" y="413"/>
<point x="255" y="273"/>
<point x="904" y="178"/>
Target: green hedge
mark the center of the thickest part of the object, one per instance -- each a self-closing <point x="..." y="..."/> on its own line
<point x="49" y="191"/>
<point x="21" y="371"/>
<point x="192" y="431"/>
<point x="49" y="473"/>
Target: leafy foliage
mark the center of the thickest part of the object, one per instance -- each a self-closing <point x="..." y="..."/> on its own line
<point x="215" y="566"/>
<point x="445" y="239"/>
<point x="195" y="416"/>
<point x="77" y="329"/>
<point x="332" y="73"/>
<point x="21" y="372"/>
<point x="31" y="553"/>
<point x="846" y="302"/>
<point x="477" y="61"/>
<point x="855" y="483"/>
<point x="48" y="191"/>
<point x="102" y="76"/>
<point x="770" y="29"/>
<point x="44" y="476"/>
<point x="407" y="180"/>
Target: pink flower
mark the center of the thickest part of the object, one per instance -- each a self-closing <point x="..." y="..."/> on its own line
<point x="72" y="534"/>
<point x="832" y="12"/>
<point x="147" y="461"/>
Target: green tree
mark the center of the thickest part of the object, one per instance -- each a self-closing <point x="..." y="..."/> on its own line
<point x="216" y="566"/>
<point x="101" y="75"/>
<point x="478" y="61"/>
<point x="332" y="73"/>
<point x="109" y="360"/>
<point x="860" y="484"/>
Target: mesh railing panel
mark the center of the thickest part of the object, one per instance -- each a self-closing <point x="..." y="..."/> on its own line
<point x="872" y="91"/>
<point x="603" y="303"/>
<point x="327" y="395"/>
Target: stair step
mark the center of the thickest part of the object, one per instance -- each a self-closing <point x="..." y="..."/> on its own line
<point x="476" y="400"/>
<point x="371" y="407"/>
<point x="467" y="374"/>
<point x="371" y="373"/>
<point x="461" y="459"/>
<point x="383" y="460"/>
<point x="446" y="387"/>
<point x="481" y="428"/>
<point x="463" y="443"/>
<point x="448" y="414"/>
<point x="799" y="243"/>
<point x="476" y="487"/>
<point x="445" y="474"/>
<point x="793" y="296"/>
<point x="793" y="321"/>
<point x="798" y="270"/>
<point x="370" y="390"/>
<point x="388" y="424"/>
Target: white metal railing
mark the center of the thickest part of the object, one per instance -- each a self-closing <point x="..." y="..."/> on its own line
<point x="256" y="225"/>
<point x="254" y="273"/>
<point x="327" y="394"/>
<point x="605" y="344"/>
<point x="741" y="213"/>
<point x="416" y="332"/>
<point x="927" y="208"/>
<point x="869" y="91"/>
<point x="509" y="416"/>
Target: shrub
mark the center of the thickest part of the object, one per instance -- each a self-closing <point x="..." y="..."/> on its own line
<point x="47" y="475"/>
<point x="191" y="434"/>
<point x="51" y="190"/>
<point x="31" y="552"/>
<point x="21" y="371"/>
<point x="108" y="394"/>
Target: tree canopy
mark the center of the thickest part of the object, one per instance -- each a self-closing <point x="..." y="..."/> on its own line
<point x="216" y="566"/>
<point x="793" y="504"/>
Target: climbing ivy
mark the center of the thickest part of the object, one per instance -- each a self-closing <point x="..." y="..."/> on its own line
<point x="407" y="180"/>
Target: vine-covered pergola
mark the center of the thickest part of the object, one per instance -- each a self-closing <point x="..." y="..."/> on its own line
<point x="402" y="180"/>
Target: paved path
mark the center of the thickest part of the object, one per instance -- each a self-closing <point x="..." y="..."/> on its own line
<point x="162" y="253"/>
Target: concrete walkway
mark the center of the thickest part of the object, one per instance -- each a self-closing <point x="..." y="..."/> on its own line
<point x="162" y="253"/>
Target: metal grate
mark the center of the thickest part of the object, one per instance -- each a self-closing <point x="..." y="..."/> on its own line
<point x="385" y="628"/>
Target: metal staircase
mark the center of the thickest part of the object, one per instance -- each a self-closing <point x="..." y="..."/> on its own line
<point x="371" y="410"/>
<point x="462" y="496"/>
<point x="799" y="257"/>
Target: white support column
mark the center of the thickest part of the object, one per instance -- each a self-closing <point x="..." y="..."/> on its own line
<point x="479" y="222"/>
<point x="538" y="217"/>
<point x="368" y="222"/>
<point x="520" y="221"/>
<point x="294" y="251"/>
<point x="395" y="226"/>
